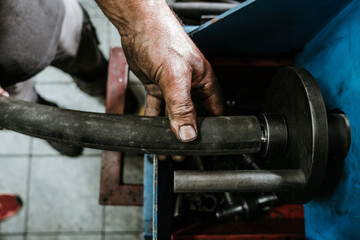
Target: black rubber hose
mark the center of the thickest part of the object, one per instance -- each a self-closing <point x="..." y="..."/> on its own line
<point x="217" y="135"/>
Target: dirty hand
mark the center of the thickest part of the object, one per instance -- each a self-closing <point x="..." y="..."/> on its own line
<point x="168" y="63"/>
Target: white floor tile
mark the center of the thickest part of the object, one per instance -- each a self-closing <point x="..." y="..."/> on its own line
<point x="64" y="195"/>
<point x="71" y="97"/>
<point x="41" y="147"/>
<point x="115" y="39"/>
<point x="134" y="168"/>
<point x="12" y="143"/>
<point x="119" y="218"/>
<point x="102" y="26"/>
<point x="52" y="75"/>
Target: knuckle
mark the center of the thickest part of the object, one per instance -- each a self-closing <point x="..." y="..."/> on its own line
<point x="183" y="110"/>
<point x="153" y="90"/>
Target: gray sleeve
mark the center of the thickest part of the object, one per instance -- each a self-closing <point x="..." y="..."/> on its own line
<point x="29" y="36"/>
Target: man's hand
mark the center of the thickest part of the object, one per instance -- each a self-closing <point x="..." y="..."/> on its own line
<point x="167" y="62"/>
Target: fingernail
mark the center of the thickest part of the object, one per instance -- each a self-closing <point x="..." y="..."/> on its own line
<point x="187" y="133"/>
<point x="6" y="94"/>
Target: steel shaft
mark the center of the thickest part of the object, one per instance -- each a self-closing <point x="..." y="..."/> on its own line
<point x="239" y="181"/>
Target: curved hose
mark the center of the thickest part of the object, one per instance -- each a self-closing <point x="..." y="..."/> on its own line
<point x="217" y="135"/>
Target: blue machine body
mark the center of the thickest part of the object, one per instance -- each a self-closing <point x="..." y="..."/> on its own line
<point x="333" y="58"/>
<point x="325" y="35"/>
<point x="266" y="26"/>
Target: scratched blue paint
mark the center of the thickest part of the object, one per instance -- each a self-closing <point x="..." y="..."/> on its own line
<point x="190" y="28"/>
<point x="333" y="58"/>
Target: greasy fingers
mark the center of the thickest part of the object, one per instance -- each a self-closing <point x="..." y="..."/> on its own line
<point x="208" y="94"/>
<point x="175" y="84"/>
<point x="154" y="106"/>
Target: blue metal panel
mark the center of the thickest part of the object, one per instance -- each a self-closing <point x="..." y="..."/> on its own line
<point x="333" y="58"/>
<point x="148" y="198"/>
<point x="266" y="26"/>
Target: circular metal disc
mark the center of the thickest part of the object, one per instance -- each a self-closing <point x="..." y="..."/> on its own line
<point x="294" y="93"/>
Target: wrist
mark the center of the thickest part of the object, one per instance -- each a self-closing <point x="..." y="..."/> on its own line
<point x="143" y="15"/>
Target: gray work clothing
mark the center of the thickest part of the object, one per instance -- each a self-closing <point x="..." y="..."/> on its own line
<point x="37" y="33"/>
<point x="29" y="37"/>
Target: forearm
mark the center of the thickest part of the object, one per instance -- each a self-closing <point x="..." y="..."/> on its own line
<point x="133" y="16"/>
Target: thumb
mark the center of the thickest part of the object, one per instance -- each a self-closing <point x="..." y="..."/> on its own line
<point x="179" y="106"/>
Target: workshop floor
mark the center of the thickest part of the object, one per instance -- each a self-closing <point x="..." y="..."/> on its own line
<point x="61" y="194"/>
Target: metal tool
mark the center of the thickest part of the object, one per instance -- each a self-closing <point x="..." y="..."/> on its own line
<point x="292" y="135"/>
<point x="248" y="206"/>
<point x="295" y="158"/>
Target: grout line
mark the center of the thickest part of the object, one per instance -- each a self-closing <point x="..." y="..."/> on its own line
<point x="28" y="183"/>
<point x="14" y="155"/>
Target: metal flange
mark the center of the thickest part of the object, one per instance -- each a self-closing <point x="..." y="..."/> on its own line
<point x="294" y="93"/>
<point x="295" y="144"/>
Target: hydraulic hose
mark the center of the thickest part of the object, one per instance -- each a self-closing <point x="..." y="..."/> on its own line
<point x="126" y="133"/>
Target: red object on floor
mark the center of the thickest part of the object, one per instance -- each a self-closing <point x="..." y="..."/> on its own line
<point x="285" y="222"/>
<point x="10" y="204"/>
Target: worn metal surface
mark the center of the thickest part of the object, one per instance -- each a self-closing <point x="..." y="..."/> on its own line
<point x="113" y="191"/>
<point x="263" y="26"/>
<point x="294" y="93"/>
<point x="275" y="135"/>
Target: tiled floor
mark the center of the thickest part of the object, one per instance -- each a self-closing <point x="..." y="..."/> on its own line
<point x="61" y="194"/>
